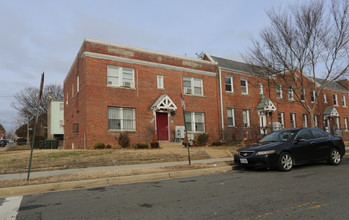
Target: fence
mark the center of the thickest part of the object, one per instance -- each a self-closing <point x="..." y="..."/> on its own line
<point x="48" y="144"/>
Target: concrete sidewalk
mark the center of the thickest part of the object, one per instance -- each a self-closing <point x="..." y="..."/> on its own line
<point x="108" y="168"/>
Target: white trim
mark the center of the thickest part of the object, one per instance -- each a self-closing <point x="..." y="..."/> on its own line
<point x="146" y="50"/>
<point x="145" y="63"/>
<point x="211" y="59"/>
<point x="221" y="97"/>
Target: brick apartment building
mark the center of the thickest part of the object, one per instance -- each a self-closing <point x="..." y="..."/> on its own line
<point x="113" y="88"/>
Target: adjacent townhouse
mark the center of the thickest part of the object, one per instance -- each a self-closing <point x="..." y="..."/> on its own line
<point x="113" y="88"/>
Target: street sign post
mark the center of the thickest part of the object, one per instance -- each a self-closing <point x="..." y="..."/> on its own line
<point x="185" y="128"/>
<point x="36" y="122"/>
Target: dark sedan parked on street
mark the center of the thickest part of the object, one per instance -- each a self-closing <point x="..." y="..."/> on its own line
<point x="285" y="148"/>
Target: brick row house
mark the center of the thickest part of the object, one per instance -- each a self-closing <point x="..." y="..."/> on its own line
<point x="113" y="88"/>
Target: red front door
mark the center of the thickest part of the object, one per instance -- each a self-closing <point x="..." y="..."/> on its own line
<point x="162" y="126"/>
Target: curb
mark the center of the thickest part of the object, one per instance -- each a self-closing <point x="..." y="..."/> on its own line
<point x="51" y="187"/>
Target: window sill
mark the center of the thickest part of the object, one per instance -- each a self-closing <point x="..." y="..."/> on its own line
<point x="230" y="92"/>
<point x="121" y="87"/>
<point x="244" y="94"/>
<point x="231" y="126"/>
<point x="194" y="95"/>
<point x="120" y="131"/>
<point x="161" y="88"/>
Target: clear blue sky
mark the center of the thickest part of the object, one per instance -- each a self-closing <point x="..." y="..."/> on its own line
<point x="45" y="36"/>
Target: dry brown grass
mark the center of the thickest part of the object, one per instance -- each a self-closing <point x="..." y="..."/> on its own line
<point x="103" y="174"/>
<point x="18" y="161"/>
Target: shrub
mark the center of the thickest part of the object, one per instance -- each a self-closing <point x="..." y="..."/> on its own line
<point x="124" y="140"/>
<point x="202" y="139"/>
<point x="108" y="146"/>
<point x="142" y="145"/>
<point x="99" y="145"/>
<point x="21" y="141"/>
<point x="217" y="143"/>
<point x="37" y="141"/>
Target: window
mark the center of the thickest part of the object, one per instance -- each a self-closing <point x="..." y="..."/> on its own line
<point x="315" y="121"/>
<point x="293" y="120"/>
<point x="192" y="86"/>
<point x="335" y="99"/>
<point x="281" y="119"/>
<point x="66" y="102"/>
<point x="120" y="76"/>
<point x="229" y="84"/>
<point x="122" y="119"/>
<point x="77" y="84"/>
<point x="303" y="95"/>
<point x="312" y="96"/>
<point x="261" y="89"/>
<point x="279" y="91"/>
<point x="244" y="86"/>
<point x="290" y="93"/>
<point x="61" y="106"/>
<point x="346" y="123"/>
<point x="319" y="133"/>
<point x="344" y="103"/>
<point x="231" y="117"/>
<point x="246" y="117"/>
<point x="305" y="134"/>
<point x="305" y="120"/>
<point x="195" y="121"/>
<point x="325" y="98"/>
<point x="72" y="90"/>
<point x="160" y="82"/>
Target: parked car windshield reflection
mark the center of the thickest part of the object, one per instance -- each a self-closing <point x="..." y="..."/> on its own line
<point x="278" y="136"/>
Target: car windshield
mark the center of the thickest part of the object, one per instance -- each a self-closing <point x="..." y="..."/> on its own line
<point x="278" y="136"/>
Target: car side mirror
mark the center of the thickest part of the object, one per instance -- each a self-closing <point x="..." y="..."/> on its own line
<point x="299" y="140"/>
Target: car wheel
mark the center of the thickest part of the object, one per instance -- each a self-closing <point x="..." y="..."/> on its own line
<point x="286" y="162"/>
<point x="335" y="157"/>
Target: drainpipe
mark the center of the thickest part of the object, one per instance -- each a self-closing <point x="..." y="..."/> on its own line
<point x="221" y="100"/>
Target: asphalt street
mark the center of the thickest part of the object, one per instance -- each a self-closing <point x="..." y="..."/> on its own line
<point x="316" y="191"/>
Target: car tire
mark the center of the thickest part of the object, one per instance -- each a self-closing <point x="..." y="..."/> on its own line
<point x="335" y="157"/>
<point x="286" y="162"/>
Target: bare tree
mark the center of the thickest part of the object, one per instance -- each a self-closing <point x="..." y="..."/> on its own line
<point x="26" y="101"/>
<point x="302" y="44"/>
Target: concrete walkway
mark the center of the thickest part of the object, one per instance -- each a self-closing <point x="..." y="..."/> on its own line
<point x="107" y="168"/>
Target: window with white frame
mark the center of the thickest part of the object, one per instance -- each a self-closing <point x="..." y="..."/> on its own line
<point x="229" y="84"/>
<point x="195" y="121"/>
<point x="290" y="93"/>
<point x="160" y="81"/>
<point x="312" y="96"/>
<point x="77" y="84"/>
<point x="121" y="76"/>
<point x="231" y="117"/>
<point x="192" y="85"/>
<point x="315" y="121"/>
<point x="67" y="102"/>
<point x="325" y="98"/>
<point x="261" y="89"/>
<point x="244" y="86"/>
<point x="279" y="91"/>
<point x="346" y="123"/>
<point x="121" y="119"/>
<point x="344" y="103"/>
<point x="305" y="120"/>
<point x="293" y="120"/>
<point x="335" y="99"/>
<point x="281" y="119"/>
<point x="246" y="117"/>
<point x="303" y="95"/>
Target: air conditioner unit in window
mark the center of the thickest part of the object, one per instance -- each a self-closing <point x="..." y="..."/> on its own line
<point x="187" y="90"/>
<point x="126" y="84"/>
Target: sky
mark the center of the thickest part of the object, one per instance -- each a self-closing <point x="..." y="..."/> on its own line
<point x="44" y="36"/>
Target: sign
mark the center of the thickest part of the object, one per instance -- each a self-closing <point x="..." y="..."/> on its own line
<point x="2" y="135"/>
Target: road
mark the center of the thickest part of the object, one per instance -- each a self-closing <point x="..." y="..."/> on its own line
<point x="315" y="191"/>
